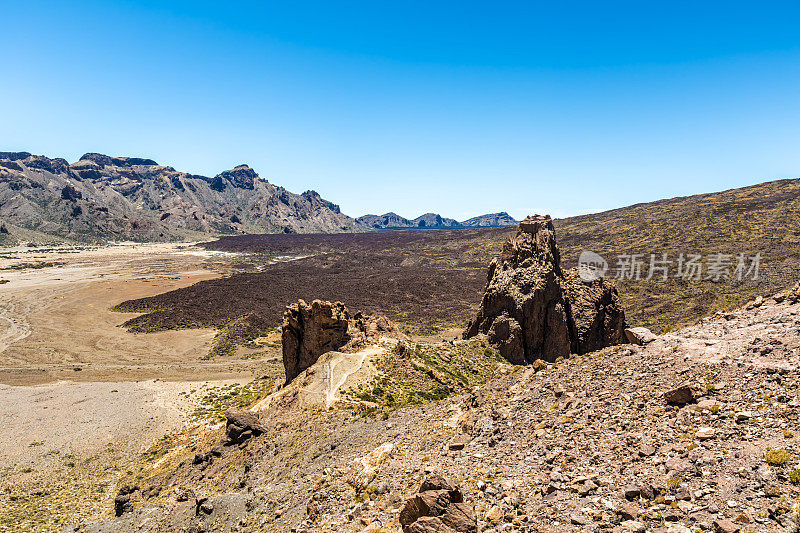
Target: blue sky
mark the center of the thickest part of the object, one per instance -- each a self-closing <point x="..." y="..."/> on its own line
<point x="461" y="108"/>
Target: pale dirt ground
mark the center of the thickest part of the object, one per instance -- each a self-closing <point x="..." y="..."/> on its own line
<point x="77" y="389"/>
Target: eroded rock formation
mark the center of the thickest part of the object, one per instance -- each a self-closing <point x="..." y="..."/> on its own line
<point x="532" y="309"/>
<point x="310" y="330"/>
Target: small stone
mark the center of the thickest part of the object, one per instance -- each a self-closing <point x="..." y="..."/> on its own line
<point x="647" y="451"/>
<point x="632" y="526"/>
<point x="705" y="434"/>
<point x="587" y="488"/>
<point x="629" y="511"/>
<point x="706" y="404"/>
<point x="631" y="492"/>
<point x="683" y="494"/>
<point x="741" y="416"/>
<point x="725" y="526"/>
<point x="457" y="445"/>
<point x="494" y="515"/>
<point x="680" y="395"/>
<point x="579" y="520"/>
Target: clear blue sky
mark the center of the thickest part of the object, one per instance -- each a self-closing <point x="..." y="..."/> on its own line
<point x="460" y="107"/>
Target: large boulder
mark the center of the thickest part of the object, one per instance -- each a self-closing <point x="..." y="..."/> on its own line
<point x="597" y="315"/>
<point x="640" y="335"/>
<point x="532" y="309"/>
<point x="242" y="425"/>
<point x="438" y="507"/>
<point x="309" y="331"/>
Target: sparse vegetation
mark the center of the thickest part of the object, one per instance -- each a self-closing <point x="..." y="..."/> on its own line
<point x="428" y="374"/>
<point x="777" y="457"/>
<point x="217" y="400"/>
<point x="33" y="266"/>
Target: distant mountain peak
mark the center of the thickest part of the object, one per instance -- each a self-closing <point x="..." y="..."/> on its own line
<point x="392" y="220"/>
<point x="105" y="160"/>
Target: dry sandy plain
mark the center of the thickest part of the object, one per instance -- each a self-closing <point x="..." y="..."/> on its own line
<point x="82" y="396"/>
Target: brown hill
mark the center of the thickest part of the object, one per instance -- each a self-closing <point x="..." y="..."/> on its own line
<point x="760" y="219"/>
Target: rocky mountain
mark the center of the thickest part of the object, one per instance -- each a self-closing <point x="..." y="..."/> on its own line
<point x="434" y="221"/>
<point x="101" y="197"/>
<point x="492" y="220"/>
<point x="388" y="220"/>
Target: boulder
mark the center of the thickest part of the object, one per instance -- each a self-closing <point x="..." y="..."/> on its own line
<point x="640" y="335"/>
<point x="793" y="294"/>
<point x="241" y="426"/>
<point x="429" y="524"/>
<point x="438" y="507"/>
<point x="308" y="331"/>
<point x="598" y="319"/>
<point x="532" y="309"/>
<point x="460" y="517"/>
<point x="122" y="502"/>
<point x="680" y="395"/>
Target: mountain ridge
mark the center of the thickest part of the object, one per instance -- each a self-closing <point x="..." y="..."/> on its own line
<point x="100" y="197"/>
<point x="392" y="220"/>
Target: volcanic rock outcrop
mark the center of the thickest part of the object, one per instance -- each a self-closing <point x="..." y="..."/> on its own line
<point x="309" y="331"/>
<point x="532" y="309"/>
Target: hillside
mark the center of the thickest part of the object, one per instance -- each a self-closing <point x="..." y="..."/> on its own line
<point x="760" y="219"/>
<point x="111" y="198"/>
<point x="694" y="430"/>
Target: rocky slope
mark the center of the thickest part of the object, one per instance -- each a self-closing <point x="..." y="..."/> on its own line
<point x="102" y="197"/>
<point x="759" y="219"/>
<point x="694" y="431"/>
<point x="434" y="221"/>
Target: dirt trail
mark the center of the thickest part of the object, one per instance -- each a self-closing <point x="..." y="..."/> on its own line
<point x="337" y="371"/>
<point x="321" y="383"/>
<point x="12" y="327"/>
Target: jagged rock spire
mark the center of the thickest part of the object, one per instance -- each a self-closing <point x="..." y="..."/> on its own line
<point x="531" y="309"/>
